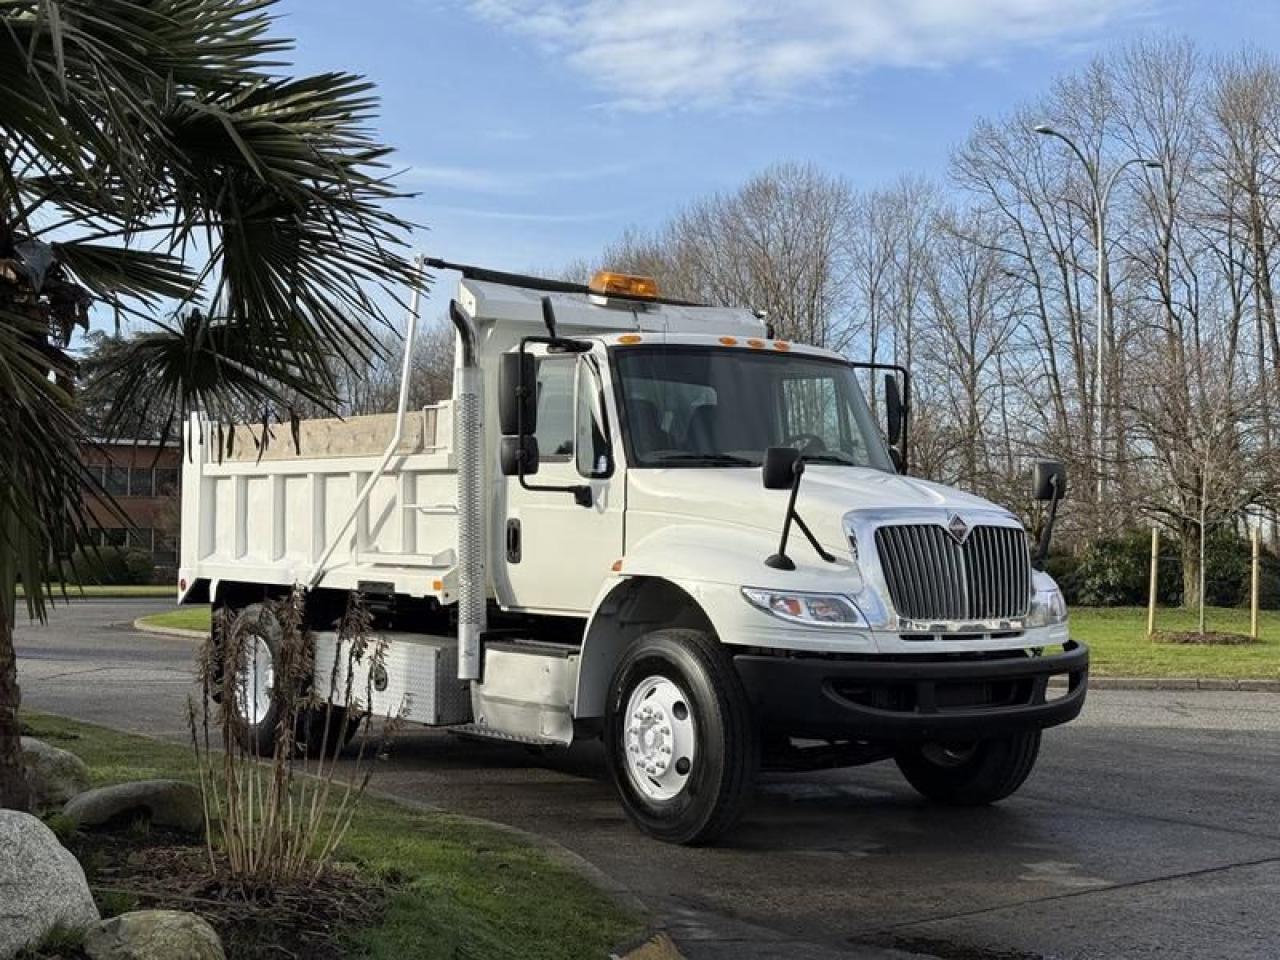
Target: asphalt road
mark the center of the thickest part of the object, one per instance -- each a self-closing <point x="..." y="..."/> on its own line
<point x="1150" y="828"/>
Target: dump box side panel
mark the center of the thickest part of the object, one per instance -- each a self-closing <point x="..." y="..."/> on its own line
<point x="270" y="519"/>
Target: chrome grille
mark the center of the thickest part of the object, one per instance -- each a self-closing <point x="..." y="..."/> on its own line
<point x="932" y="577"/>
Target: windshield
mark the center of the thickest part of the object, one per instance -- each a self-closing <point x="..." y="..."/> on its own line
<point x="714" y="406"/>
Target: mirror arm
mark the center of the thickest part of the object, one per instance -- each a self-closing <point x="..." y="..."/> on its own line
<point x="780" y="560"/>
<point x="1046" y="532"/>
<point x="813" y="541"/>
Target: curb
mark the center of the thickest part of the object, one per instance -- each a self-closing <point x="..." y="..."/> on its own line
<point x="1176" y="683"/>
<point x="657" y="946"/>
<point x="143" y="627"/>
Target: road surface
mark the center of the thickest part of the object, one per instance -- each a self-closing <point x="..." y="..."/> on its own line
<point x="1150" y="828"/>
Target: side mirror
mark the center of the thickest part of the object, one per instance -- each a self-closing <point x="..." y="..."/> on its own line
<point x="1048" y="480"/>
<point x="893" y="410"/>
<point x="779" y="469"/>
<point x="518" y="456"/>
<point x="518" y="394"/>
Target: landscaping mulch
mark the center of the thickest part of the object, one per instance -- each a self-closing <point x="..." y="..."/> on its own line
<point x="1208" y="638"/>
<point x="141" y="868"/>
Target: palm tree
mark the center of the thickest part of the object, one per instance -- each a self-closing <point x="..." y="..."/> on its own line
<point x="156" y="164"/>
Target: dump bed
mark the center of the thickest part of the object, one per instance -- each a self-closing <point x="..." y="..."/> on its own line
<point x="265" y="507"/>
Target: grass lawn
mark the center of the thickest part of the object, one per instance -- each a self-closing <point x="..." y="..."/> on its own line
<point x="96" y="590"/>
<point x="1117" y="639"/>
<point x="463" y="889"/>
<point x="184" y="618"/>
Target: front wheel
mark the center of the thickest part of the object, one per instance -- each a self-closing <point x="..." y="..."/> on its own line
<point x="681" y="742"/>
<point x="970" y="774"/>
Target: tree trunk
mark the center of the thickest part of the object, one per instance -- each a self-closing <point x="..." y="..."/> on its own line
<point x="1189" y="537"/>
<point x="15" y="794"/>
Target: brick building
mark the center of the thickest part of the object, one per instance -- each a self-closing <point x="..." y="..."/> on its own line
<point x="145" y="479"/>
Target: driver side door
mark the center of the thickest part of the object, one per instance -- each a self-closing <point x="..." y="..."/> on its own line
<point x="555" y="553"/>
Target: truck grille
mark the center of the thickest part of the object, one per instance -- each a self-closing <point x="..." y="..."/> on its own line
<point x="932" y="577"/>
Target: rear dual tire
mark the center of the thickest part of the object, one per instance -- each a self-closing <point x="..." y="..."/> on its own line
<point x="318" y="731"/>
<point x="681" y="741"/>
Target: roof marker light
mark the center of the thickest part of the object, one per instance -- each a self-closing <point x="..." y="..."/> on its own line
<point x="630" y="338"/>
<point x="781" y="345"/>
<point x="755" y="344"/>
<point x="729" y="341"/>
<point x="607" y="283"/>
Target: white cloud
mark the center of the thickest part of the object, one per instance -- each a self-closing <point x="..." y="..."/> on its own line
<point x="479" y="180"/>
<point x="664" y="53"/>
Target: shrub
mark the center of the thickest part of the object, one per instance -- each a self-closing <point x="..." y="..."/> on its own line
<point x="110" y="566"/>
<point x="1116" y="571"/>
<point x="280" y="821"/>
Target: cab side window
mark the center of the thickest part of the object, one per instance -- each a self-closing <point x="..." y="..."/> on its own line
<point x="555" y="408"/>
<point x="593" y="455"/>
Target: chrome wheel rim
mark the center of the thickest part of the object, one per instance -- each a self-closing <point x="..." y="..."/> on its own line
<point x="659" y="738"/>
<point x="254" y="685"/>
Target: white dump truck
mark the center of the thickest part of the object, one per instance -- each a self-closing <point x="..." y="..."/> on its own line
<point x="652" y="522"/>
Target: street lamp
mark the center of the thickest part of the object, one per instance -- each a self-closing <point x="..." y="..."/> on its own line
<point x="1101" y="195"/>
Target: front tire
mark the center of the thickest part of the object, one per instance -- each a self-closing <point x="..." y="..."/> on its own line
<point x="969" y="775"/>
<point x="682" y="745"/>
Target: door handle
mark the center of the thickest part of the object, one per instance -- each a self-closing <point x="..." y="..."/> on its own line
<point x="513" y="541"/>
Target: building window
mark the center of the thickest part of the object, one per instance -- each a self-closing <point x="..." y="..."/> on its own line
<point x="96" y="471"/>
<point x="114" y="536"/>
<point x="141" y="482"/>
<point x="166" y="482"/>
<point x="140" y="539"/>
<point x="117" y="482"/>
<point x="166" y="551"/>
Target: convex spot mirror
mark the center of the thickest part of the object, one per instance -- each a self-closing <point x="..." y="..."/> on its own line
<point x="518" y="394"/>
<point x="779" y="467"/>
<point x="518" y="455"/>
<point x="1048" y="480"/>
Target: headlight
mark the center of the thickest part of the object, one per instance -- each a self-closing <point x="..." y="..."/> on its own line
<point x="811" y="609"/>
<point x="1048" y="608"/>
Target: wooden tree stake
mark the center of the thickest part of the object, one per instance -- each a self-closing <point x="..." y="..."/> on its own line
<point x="1155" y="571"/>
<point x="1254" y="584"/>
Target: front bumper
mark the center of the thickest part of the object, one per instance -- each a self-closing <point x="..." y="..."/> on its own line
<point x="913" y="698"/>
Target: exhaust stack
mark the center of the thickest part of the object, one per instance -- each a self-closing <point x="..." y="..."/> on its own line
<point x="468" y="433"/>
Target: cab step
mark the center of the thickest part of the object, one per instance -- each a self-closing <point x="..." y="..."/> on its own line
<point x="481" y="731"/>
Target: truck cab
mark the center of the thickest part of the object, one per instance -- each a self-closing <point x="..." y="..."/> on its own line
<point x="656" y="523"/>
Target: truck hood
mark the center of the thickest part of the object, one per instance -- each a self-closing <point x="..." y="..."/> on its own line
<point x="736" y="497"/>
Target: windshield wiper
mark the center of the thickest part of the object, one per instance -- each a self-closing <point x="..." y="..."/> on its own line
<point x="839" y="458"/>
<point x="719" y="459"/>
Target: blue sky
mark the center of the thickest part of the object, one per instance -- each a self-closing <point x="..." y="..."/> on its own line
<point x="537" y="131"/>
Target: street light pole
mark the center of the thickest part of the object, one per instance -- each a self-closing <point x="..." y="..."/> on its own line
<point x="1101" y="197"/>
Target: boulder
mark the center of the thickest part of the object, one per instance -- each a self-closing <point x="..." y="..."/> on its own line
<point x="166" y="803"/>
<point x="55" y="775"/>
<point x="42" y="886"/>
<point x="153" y="935"/>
